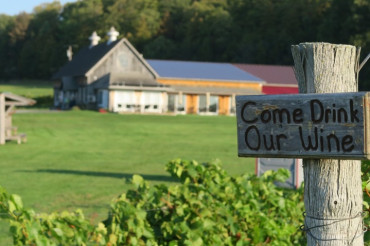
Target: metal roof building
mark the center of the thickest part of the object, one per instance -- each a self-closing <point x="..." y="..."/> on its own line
<point x="116" y="77"/>
<point x="201" y="71"/>
<point x="279" y="79"/>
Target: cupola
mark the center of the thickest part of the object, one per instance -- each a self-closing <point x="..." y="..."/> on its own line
<point x="94" y="38"/>
<point x="112" y="35"/>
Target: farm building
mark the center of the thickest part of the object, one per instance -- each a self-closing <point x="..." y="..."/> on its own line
<point x="110" y="75"/>
<point x="279" y="79"/>
<point x="204" y="87"/>
<point x="115" y="76"/>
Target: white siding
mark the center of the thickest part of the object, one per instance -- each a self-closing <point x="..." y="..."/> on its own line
<point x="124" y="101"/>
<point x="152" y="102"/>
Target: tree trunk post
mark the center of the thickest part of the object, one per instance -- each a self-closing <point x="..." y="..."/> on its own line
<point x="332" y="190"/>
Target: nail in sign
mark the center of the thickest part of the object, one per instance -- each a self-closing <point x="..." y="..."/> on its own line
<point x="304" y="125"/>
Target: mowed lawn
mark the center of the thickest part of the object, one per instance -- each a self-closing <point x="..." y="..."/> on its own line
<point x="82" y="159"/>
<point x="28" y="88"/>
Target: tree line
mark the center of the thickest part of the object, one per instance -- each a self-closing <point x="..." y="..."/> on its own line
<point x="33" y="45"/>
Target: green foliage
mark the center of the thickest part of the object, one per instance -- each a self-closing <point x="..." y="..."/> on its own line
<point x="33" y="44"/>
<point x="78" y="20"/>
<point x="366" y="188"/>
<point x="138" y="19"/>
<point x="29" y="228"/>
<point x="209" y="207"/>
<point x="80" y="159"/>
<point x="43" y="32"/>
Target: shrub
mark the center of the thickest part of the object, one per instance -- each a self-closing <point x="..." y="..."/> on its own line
<point x="207" y="207"/>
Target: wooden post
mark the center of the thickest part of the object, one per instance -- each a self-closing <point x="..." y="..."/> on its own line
<point x="2" y="118"/>
<point x="333" y="193"/>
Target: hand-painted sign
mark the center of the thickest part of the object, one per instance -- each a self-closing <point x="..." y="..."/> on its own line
<point x="304" y="125"/>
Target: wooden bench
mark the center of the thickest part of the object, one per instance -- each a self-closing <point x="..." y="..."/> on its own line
<point x="22" y="137"/>
<point x="11" y="134"/>
<point x="11" y="130"/>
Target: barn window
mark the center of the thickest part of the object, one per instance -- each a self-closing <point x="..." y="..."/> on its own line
<point x="176" y="103"/>
<point x="171" y="102"/>
<point x="202" y="103"/>
<point x="213" y="104"/>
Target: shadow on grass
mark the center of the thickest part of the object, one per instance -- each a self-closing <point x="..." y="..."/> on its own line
<point x="151" y="177"/>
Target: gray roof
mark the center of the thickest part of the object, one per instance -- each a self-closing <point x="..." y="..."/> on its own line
<point x="201" y="70"/>
<point x="17" y="100"/>
<point x="84" y="60"/>
<point x="126" y="79"/>
<point x="68" y="84"/>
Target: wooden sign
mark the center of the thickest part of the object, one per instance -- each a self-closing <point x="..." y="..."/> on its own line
<point x="304" y="125"/>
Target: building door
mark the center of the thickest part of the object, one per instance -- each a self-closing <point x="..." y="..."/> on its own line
<point x="191" y="104"/>
<point x="224" y="105"/>
<point x="103" y="99"/>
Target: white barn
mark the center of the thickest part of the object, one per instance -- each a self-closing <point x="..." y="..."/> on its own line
<point x="111" y="76"/>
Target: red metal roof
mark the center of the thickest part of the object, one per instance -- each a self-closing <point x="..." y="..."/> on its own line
<point x="279" y="90"/>
<point x="272" y="74"/>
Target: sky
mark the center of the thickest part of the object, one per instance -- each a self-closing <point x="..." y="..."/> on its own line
<point x="14" y="7"/>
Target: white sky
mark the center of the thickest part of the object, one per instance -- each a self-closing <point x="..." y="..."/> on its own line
<point x="14" y="7"/>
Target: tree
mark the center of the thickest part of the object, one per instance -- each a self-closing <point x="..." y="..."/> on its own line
<point x="17" y="35"/>
<point x="41" y="52"/>
<point x="246" y="31"/>
<point x="208" y="31"/>
<point x="79" y="20"/>
<point x="137" y="20"/>
<point x="166" y="43"/>
<point x="266" y="29"/>
<point x="6" y="23"/>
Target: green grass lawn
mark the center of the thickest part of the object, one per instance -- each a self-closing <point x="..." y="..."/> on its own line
<point x="82" y="159"/>
<point x="28" y="88"/>
<point x="39" y="90"/>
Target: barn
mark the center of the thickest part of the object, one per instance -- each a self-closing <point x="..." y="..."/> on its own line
<point x="204" y="87"/>
<point x="278" y="79"/>
<point x="114" y="76"/>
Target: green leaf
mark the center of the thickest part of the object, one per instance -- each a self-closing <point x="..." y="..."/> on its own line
<point x="365" y="204"/>
<point x="368" y="186"/>
<point x="179" y="171"/>
<point x="197" y="242"/>
<point x="173" y="243"/>
<point x="112" y="239"/>
<point x="137" y="180"/>
<point x="17" y="200"/>
<point x="58" y="232"/>
<point x="133" y="241"/>
<point x="147" y="233"/>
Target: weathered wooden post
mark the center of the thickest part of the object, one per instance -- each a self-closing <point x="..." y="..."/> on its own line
<point x="2" y="118"/>
<point x="333" y="193"/>
<point x="328" y="125"/>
